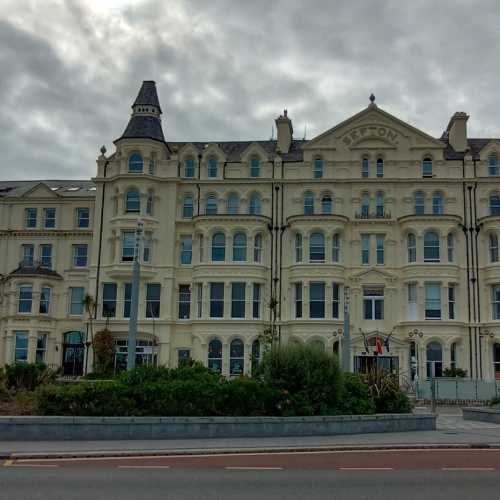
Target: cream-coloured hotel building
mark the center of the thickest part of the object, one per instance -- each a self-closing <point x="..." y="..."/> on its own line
<point x="244" y="236"/>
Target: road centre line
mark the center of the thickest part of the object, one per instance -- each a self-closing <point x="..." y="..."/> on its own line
<point x="365" y="468"/>
<point x="143" y="466"/>
<point x="253" y="468"/>
<point x="459" y="469"/>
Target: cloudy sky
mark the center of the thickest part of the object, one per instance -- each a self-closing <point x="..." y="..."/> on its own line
<point x="225" y="70"/>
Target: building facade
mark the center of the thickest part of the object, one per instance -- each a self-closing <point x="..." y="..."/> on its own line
<point x="247" y="237"/>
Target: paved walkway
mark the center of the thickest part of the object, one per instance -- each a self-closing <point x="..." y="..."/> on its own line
<point x="451" y="430"/>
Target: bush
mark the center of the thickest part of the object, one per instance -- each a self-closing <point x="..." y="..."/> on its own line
<point x="356" y="397"/>
<point x="385" y="392"/>
<point x="307" y="380"/>
<point x="104" y="352"/>
<point x="28" y="376"/>
<point x="495" y="402"/>
<point x="454" y="372"/>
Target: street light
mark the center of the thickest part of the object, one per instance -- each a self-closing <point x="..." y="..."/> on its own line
<point x="336" y="334"/>
<point x="414" y="335"/>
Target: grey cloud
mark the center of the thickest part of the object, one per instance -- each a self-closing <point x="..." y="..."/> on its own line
<point x="225" y="69"/>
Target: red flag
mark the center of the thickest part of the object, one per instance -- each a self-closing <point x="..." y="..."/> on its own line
<point x="378" y="346"/>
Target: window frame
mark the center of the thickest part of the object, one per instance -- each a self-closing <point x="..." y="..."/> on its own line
<point x="153" y="300"/>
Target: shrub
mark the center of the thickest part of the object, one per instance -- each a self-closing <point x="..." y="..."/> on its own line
<point x="385" y="392"/>
<point x="28" y="376"/>
<point x="495" y="402"/>
<point x="454" y="372"/>
<point x="104" y="352"/>
<point x="307" y="379"/>
<point x="356" y="397"/>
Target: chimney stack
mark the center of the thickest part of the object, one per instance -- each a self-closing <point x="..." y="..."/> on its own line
<point x="285" y="132"/>
<point x="457" y="131"/>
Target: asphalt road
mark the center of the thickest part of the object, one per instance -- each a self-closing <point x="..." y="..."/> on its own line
<point x="98" y="483"/>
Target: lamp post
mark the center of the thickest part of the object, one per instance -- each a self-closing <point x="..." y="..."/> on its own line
<point x="134" y="305"/>
<point x="414" y="335"/>
<point x="336" y="335"/>
<point x="346" y="343"/>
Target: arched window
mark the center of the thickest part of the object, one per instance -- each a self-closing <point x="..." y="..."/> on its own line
<point x="437" y="203"/>
<point x="493" y="165"/>
<point x="308" y="204"/>
<point x="336" y="247"/>
<point x="257" y="248"/>
<point x="412" y="247"/>
<point x="149" y="203"/>
<point x="135" y="163"/>
<point x="434" y="353"/>
<point x="298" y="247"/>
<point x="318" y="168"/>
<point x="239" y="247"/>
<point x="431" y="247"/>
<point x="380" y="204"/>
<point x="493" y="247"/>
<point x="255" y="205"/>
<point x="187" y="207"/>
<point x="215" y="355"/>
<point x="450" y="241"/>
<point x="365" y="206"/>
<point x="236" y="357"/>
<point x="211" y="205"/>
<point x="233" y="204"/>
<point x="254" y="167"/>
<point x="326" y="204"/>
<point x="189" y="167"/>
<point x="218" y="247"/>
<point x="255" y="355"/>
<point x="419" y="203"/>
<point x="213" y="167"/>
<point x="317" y="247"/>
<point x="380" y="167"/>
<point x="427" y="167"/>
<point x="132" y="201"/>
<point x="365" y="167"/>
<point x="494" y="204"/>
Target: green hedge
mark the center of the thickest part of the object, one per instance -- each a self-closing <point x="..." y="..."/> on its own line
<point x="289" y="381"/>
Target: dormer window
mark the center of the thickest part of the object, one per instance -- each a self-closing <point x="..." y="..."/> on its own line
<point x="427" y="167"/>
<point x="493" y="165"/>
<point x="135" y="163"/>
<point x="318" y="168"/>
<point x="254" y="167"/>
<point x="213" y="167"/>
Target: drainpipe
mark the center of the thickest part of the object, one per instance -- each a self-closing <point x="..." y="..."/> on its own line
<point x="466" y="234"/>
<point x="98" y="275"/>
<point x="477" y="228"/>
<point x="270" y="227"/>
<point x="473" y="279"/>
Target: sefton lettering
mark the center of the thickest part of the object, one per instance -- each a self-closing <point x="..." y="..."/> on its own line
<point x="365" y="132"/>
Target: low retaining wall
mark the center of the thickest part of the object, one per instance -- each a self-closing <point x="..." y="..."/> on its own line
<point x="482" y="415"/>
<point x="116" y="428"/>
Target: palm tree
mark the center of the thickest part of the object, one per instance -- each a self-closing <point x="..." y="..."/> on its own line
<point x="90" y="308"/>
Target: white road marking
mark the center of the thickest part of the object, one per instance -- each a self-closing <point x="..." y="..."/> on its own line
<point x="365" y="468"/>
<point x="34" y="465"/>
<point x="253" y="468"/>
<point x="143" y="467"/>
<point x="467" y="468"/>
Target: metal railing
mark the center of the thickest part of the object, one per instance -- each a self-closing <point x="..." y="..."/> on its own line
<point x="373" y="215"/>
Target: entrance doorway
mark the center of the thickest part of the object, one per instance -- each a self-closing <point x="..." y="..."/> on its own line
<point x="73" y="353"/>
<point x="389" y="364"/>
<point x="496" y="360"/>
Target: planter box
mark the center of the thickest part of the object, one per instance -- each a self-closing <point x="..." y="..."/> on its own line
<point x="489" y="415"/>
<point x="124" y="428"/>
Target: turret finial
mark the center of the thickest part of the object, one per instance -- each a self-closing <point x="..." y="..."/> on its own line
<point x="103" y="149"/>
<point x="372" y="98"/>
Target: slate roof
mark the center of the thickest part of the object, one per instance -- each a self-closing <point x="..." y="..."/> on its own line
<point x="35" y="270"/>
<point x="235" y="149"/>
<point x="66" y="188"/>
<point x="475" y="147"/>
<point x="147" y="95"/>
<point x="143" y="127"/>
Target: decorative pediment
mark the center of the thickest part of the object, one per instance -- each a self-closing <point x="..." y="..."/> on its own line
<point x="373" y="276"/>
<point x="254" y="149"/>
<point x="492" y="147"/>
<point x="188" y="150"/>
<point x="41" y="190"/>
<point x="373" y="128"/>
<point x="213" y="150"/>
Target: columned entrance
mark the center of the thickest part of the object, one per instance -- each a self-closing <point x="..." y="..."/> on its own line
<point x="365" y="363"/>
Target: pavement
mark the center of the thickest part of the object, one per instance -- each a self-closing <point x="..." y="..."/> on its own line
<point x="452" y="431"/>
